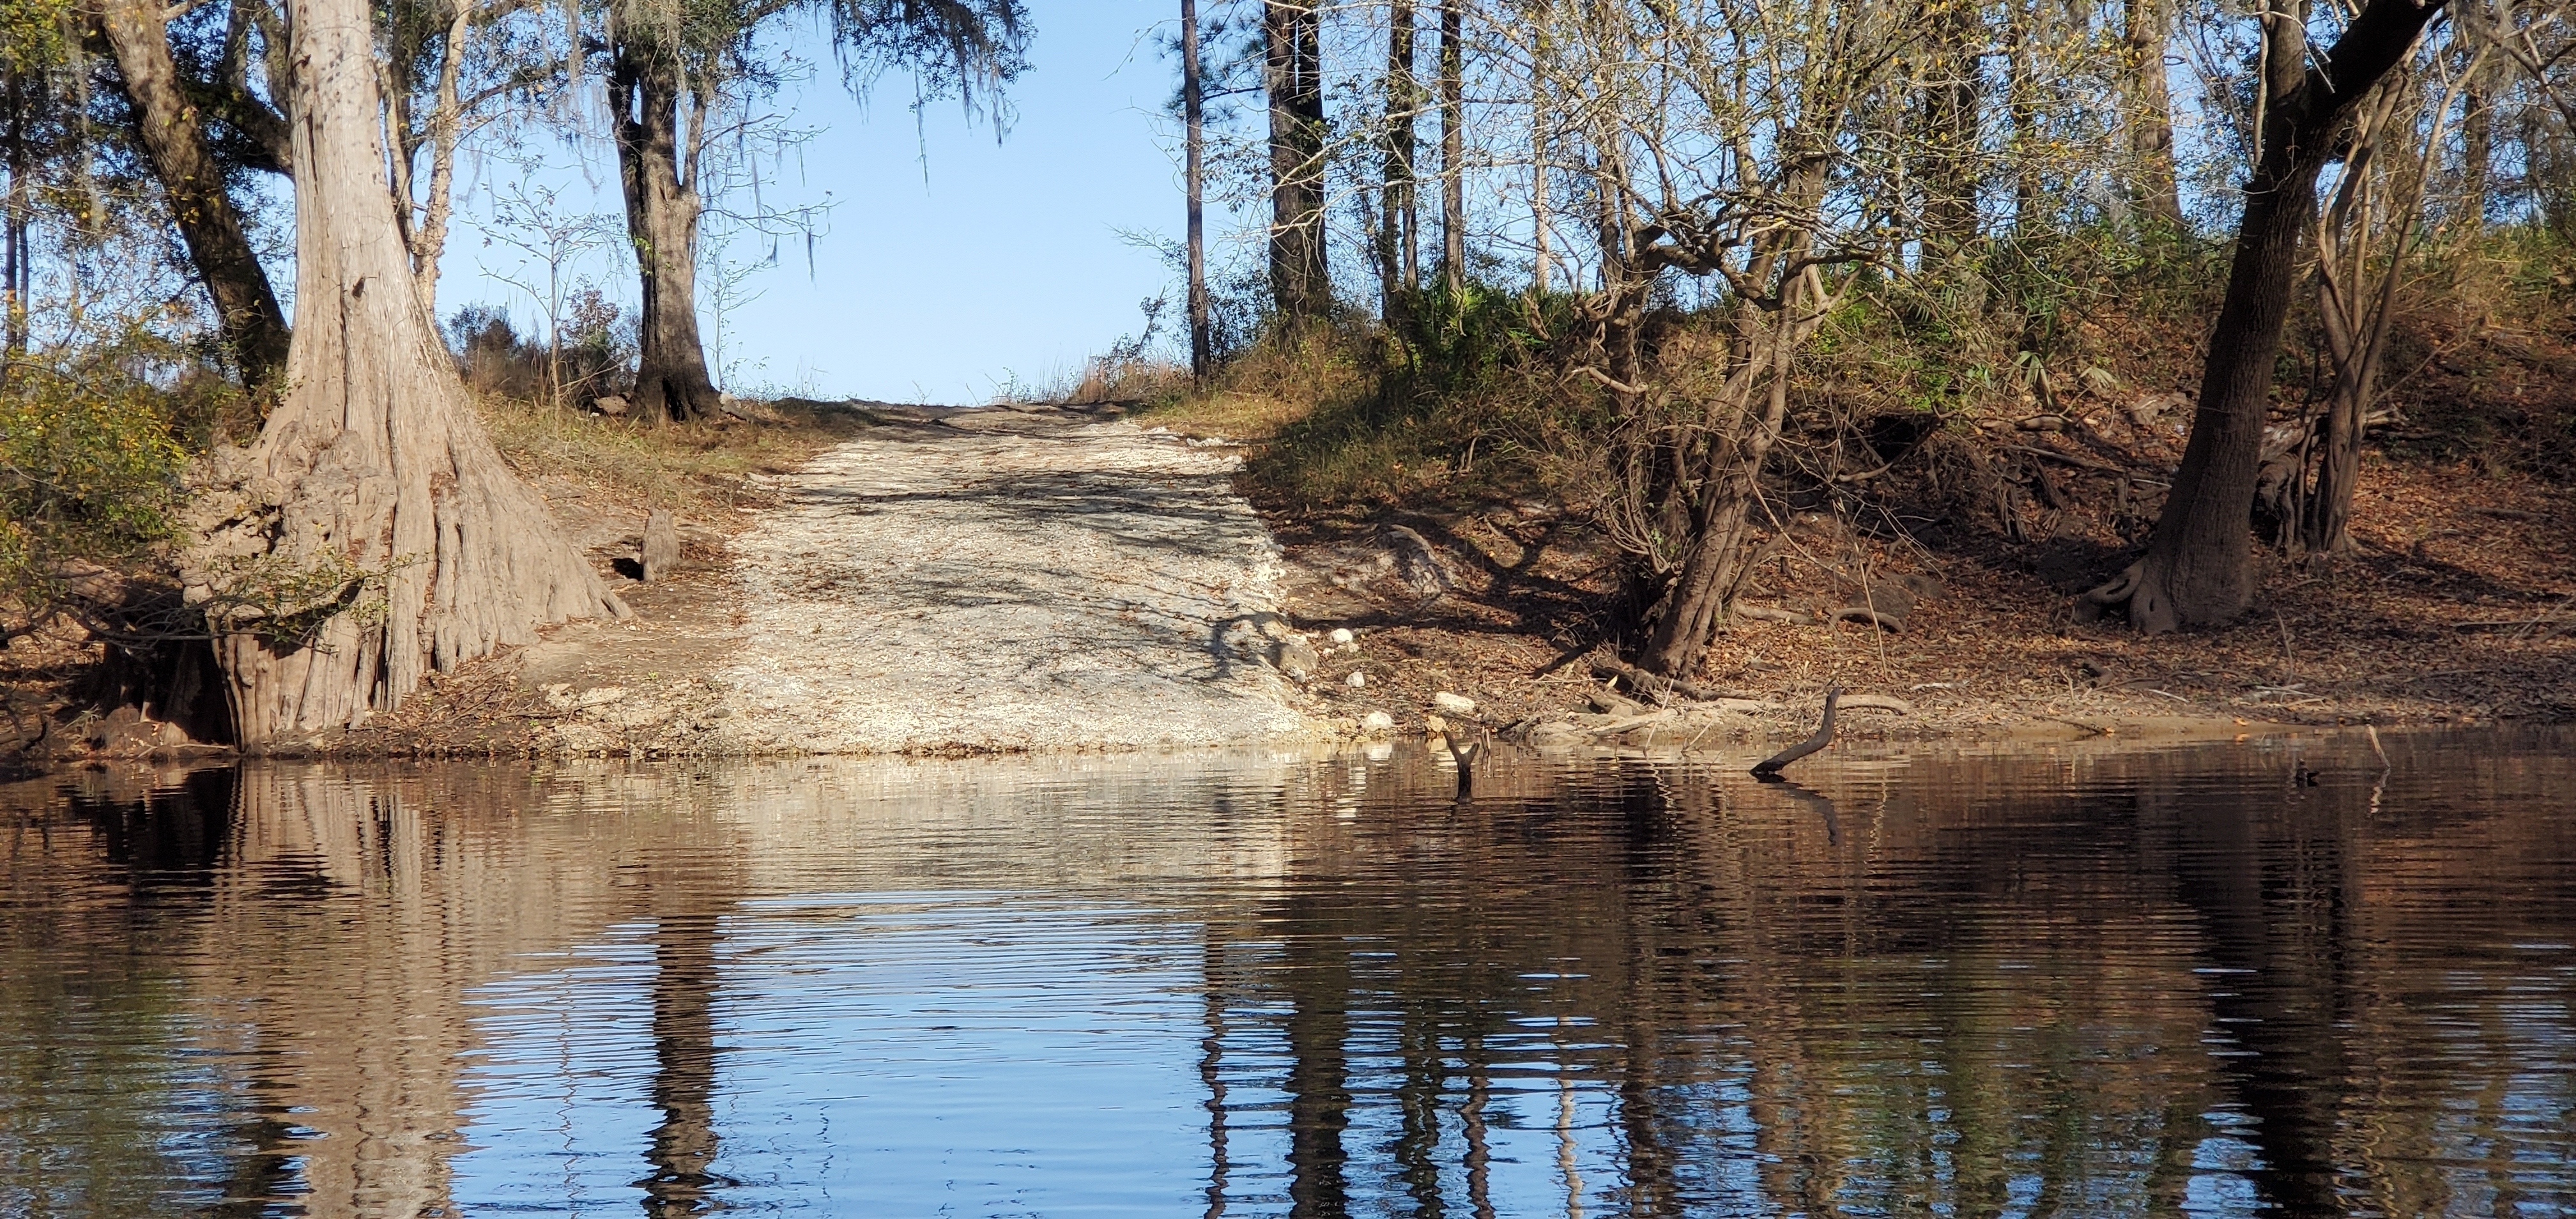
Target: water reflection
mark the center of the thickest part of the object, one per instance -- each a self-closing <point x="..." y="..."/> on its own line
<point x="2230" y="978"/>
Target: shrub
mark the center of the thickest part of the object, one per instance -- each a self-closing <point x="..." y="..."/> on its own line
<point x="91" y="461"/>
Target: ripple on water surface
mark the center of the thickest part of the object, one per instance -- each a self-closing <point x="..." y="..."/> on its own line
<point x="2219" y="979"/>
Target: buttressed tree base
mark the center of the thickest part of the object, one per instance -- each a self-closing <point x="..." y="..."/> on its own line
<point x="372" y="496"/>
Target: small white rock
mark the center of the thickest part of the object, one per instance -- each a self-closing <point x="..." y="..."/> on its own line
<point x="1341" y="637"/>
<point x="1378" y="721"/>
<point x="1357" y="680"/>
<point x="1454" y="704"/>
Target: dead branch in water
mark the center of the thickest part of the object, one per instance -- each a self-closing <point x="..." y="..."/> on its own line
<point x="1824" y="736"/>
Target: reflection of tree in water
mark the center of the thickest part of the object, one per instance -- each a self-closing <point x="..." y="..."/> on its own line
<point x="1970" y="986"/>
<point x="2274" y="903"/>
<point x="1958" y="991"/>
<point x="88" y="1002"/>
<point x="683" y="1145"/>
<point x="322" y="928"/>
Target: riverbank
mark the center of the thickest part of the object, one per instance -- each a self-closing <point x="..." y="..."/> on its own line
<point x="924" y="581"/>
<point x="940" y="581"/>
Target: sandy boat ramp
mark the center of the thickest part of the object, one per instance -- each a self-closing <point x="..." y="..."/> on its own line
<point x="951" y="582"/>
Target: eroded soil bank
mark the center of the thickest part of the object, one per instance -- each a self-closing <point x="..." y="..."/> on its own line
<point x="1014" y="579"/>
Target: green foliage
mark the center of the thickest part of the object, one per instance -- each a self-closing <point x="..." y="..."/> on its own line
<point x="1456" y="338"/>
<point x="90" y="465"/>
<point x="33" y="33"/>
<point x="287" y="603"/>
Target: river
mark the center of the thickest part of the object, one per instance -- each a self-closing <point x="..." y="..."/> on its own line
<point x="2290" y="975"/>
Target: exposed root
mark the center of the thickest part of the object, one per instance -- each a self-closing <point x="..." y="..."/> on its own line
<point x="1604" y="664"/>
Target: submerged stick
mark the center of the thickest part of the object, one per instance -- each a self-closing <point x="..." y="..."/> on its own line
<point x="1824" y="736"/>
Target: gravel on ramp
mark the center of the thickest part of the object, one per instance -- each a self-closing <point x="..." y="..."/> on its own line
<point x="998" y="580"/>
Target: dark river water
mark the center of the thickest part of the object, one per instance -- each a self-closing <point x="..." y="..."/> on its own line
<point x="2257" y="976"/>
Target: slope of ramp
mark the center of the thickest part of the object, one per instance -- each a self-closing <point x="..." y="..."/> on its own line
<point x="1004" y="581"/>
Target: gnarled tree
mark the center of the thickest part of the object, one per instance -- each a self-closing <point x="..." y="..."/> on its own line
<point x="371" y="533"/>
<point x="1731" y="142"/>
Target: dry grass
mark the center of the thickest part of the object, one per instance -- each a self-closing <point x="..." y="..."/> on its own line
<point x="693" y="469"/>
<point x="1336" y="426"/>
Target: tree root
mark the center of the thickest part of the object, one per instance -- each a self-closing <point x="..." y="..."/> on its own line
<point x="1861" y="613"/>
<point x="1767" y="613"/>
<point x="1604" y="664"/>
<point x="2091" y="606"/>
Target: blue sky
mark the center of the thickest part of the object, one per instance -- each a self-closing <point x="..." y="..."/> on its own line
<point x="1001" y="261"/>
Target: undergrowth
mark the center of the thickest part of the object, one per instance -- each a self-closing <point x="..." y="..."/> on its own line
<point x="1469" y="398"/>
<point x="95" y="443"/>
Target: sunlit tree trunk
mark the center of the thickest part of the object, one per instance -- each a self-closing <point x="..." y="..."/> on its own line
<point x="424" y="221"/>
<point x="1953" y="127"/>
<point x="1453" y="141"/>
<point x="2477" y="155"/>
<point x="646" y="90"/>
<point x="16" y="258"/>
<point x="2154" y="186"/>
<point x="2198" y="569"/>
<point x="372" y="483"/>
<point x="1397" y="251"/>
<point x="1194" y="115"/>
<point x="2021" y="107"/>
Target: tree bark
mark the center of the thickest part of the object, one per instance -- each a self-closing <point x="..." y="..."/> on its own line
<point x="662" y="205"/>
<point x="372" y="478"/>
<point x="2477" y="155"/>
<point x="2021" y="107"/>
<point x="2154" y="186"/>
<point x="1293" y="79"/>
<point x="17" y="260"/>
<point x="427" y="237"/>
<point x="174" y="142"/>
<point x="1397" y="235"/>
<point x="1194" y="115"/>
<point x="1953" y="128"/>
<point x="2198" y="569"/>
<point x="1453" y="142"/>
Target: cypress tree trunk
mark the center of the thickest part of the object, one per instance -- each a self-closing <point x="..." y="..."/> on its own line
<point x="2198" y="569"/>
<point x="372" y="491"/>
<point x="174" y="142"/>
<point x="645" y="90"/>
